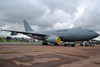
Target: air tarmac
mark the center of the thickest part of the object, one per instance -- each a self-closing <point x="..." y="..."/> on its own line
<point x="37" y="55"/>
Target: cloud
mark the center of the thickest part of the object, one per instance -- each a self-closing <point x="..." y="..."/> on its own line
<point x="68" y="6"/>
<point x="49" y="14"/>
<point x="41" y="13"/>
<point x="89" y="19"/>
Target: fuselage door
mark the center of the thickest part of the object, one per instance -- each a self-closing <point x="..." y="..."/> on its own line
<point x="81" y="33"/>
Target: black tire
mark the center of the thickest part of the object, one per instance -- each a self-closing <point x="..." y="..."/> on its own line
<point x="55" y="44"/>
<point x="65" y="45"/>
<point x="86" y="45"/>
<point x="81" y="44"/>
<point x="44" y="43"/>
<point x="73" y="45"/>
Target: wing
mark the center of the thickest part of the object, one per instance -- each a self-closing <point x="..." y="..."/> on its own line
<point x="33" y="33"/>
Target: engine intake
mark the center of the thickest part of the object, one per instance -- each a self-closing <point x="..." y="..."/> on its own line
<point x="54" y="39"/>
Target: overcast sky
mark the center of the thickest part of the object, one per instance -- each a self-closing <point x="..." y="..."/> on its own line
<point x="49" y="14"/>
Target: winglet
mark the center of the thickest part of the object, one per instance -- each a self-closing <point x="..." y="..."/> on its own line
<point x="27" y="26"/>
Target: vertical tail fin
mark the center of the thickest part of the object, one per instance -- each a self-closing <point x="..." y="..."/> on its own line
<point x="27" y="26"/>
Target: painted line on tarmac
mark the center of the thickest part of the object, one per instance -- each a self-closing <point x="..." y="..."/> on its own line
<point x="42" y="50"/>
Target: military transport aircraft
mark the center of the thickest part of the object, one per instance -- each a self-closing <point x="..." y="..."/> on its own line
<point x="56" y="36"/>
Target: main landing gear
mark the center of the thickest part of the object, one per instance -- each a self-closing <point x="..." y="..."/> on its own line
<point x="44" y="43"/>
<point x="81" y="44"/>
<point x="55" y="44"/>
<point x="73" y="45"/>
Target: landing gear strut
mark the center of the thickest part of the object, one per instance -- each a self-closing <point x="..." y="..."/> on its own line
<point x="44" y="43"/>
<point x="55" y="44"/>
<point x="69" y="44"/>
<point x="73" y="45"/>
<point x="81" y="44"/>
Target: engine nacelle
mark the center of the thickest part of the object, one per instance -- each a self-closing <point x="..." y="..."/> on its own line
<point x="13" y="33"/>
<point x="54" y="39"/>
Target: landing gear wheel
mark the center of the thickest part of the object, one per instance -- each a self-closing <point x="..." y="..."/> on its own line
<point x="81" y="44"/>
<point x="55" y="44"/>
<point x="44" y="43"/>
<point x="65" y="45"/>
<point x="86" y="45"/>
<point x="73" y="45"/>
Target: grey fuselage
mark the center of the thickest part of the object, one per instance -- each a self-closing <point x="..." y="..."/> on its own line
<point x="72" y="34"/>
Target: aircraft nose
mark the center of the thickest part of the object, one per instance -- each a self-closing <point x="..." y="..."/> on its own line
<point x="97" y="34"/>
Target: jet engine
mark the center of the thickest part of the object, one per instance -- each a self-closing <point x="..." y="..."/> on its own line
<point x="13" y="33"/>
<point x="54" y="39"/>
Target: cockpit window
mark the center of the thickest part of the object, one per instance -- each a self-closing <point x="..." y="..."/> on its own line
<point x="91" y="31"/>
